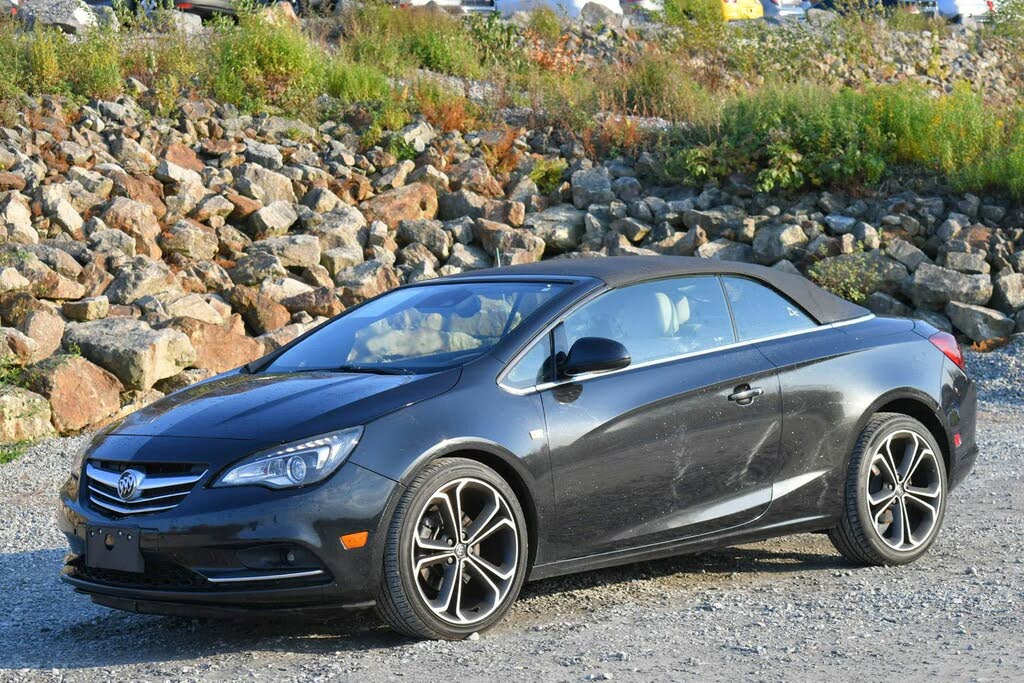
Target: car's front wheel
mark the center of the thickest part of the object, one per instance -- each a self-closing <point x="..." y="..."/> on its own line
<point x="456" y="552"/>
<point x="895" y="496"/>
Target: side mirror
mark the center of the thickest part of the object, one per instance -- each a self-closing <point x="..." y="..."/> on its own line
<point x="594" y="354"/>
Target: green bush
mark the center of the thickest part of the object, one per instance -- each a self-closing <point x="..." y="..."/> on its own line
<point x="93" y="66"/>
<point x="261" y="65"/>
<point x="547" y="174"/>
<point x="851" y="276"/>
<point x="351" y="82"/>
<point x="699" y="11"/>
<point x="378" y="34"/>
<point x="545" y="25"/>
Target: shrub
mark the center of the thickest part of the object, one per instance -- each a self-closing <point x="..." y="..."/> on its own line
<point x="43" y="57"/>
<point x="547" y="174"/>
<point x="657" y="85"/>
<point x="852" y="276"/>
<point x="93" y="66"/>
<point x="388" y="37"/>
<point x="699" y="11"/>
<point x="544" y="24"/>
<point x="351" y="82"/>
<point x="264" y="65"/>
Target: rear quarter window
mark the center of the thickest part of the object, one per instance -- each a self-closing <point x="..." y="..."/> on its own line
<point x="760" y="311"/>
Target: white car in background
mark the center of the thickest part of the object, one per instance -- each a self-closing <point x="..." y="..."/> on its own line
<point x="570" y="8"/>
<point x="966" y="9"/>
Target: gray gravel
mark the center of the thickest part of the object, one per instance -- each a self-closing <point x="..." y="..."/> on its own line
<point x="788" y="609"/>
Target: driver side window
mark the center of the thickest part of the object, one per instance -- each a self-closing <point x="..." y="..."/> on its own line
<point x="656" y="320"/>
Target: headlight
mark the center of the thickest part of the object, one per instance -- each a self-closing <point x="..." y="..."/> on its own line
<point x="295" y="464"/>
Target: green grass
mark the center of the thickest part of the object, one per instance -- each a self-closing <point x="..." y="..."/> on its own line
<point x="9" y="452"/>
<point x="744" y="99"/>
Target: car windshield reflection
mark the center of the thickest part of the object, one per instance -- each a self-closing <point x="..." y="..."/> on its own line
<point x="418" y="329"/>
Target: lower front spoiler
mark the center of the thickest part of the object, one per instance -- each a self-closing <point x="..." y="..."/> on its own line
<point x="303" y="600"/>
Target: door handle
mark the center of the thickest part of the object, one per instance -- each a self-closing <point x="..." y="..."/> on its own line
<point x="745" y="395"/>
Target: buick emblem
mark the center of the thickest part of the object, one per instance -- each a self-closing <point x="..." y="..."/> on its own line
<point x="128" y="484"/>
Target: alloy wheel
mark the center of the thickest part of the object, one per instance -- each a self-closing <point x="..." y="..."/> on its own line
<point x="904" y="491"/>
<point x="465" y="551"/>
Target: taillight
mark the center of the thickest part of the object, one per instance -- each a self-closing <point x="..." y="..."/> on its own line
<point x="948" y="344"/>
<point x="776" y="2"/>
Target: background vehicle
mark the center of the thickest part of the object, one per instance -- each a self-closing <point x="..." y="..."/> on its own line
<point x="784" y="9"/>
<point x="571" y="8"/>
<point x="960" y="9"/>
<point x="739" y="10"/>
<point x="431" y="449"/>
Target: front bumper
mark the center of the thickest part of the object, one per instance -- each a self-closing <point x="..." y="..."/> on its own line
<point x="209" y="555"/>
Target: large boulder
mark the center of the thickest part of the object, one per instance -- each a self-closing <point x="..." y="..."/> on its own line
<point x="430" y="233"/>
<point x="411" y="202"/>
<point x="45" y="328"/>
<point x="561" y="227"/>
<point x="507" y="245"/>
<point x="133" y="351"/>
<point x="779" y="242"/>
<point x="906" y="253"/>
<point x="70" y="16"/>
<point x="137" y="220"/>
<point x="365" y="281"/>
<point x="24" y="415"/>
<point x="140" y="277"/>
<point x="261" y="313"/>
<point x="936" y="286"/>
<point x="272" y="220"/>
<point x="726" y="250"/>
<point x="81" y="394"/>
<point x="591" y="186"/>
<point x="264" y="185"/>
<point x="293" y="251"/>
<point x="218" y="347"/>
<point x="191" y="240"/>
<point x="1009" y="292"/>
<point x="979" y="323"/>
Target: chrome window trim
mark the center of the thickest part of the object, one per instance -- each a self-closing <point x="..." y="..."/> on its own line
<point x="669" y="359"/>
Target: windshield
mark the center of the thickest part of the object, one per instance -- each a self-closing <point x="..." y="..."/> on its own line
<point x="419" y="329"/>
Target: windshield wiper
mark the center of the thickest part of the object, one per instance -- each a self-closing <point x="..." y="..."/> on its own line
<point x="372" y="370"/>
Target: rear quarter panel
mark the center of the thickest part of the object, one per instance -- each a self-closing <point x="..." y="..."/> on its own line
<point x="832" y="382"/>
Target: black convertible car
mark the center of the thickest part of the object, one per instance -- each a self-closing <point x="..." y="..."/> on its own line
<point x="431" y="449"/>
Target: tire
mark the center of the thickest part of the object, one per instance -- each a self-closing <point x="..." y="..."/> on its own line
<point x="894" y="500"/>
<point x="437" y="602"/>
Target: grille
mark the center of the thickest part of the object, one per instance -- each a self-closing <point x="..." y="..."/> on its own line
<point x="152" y="487"/>
<point x="158" y="575"/>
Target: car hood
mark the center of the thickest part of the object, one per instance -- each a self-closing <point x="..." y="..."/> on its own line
<point x="280" y="407"/>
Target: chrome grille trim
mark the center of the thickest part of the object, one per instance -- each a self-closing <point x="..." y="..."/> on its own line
<point x="155" y="488"/>
<point x="152" y="481"/>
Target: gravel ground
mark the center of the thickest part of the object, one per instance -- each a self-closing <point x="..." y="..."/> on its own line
<point x="788" y="609"/>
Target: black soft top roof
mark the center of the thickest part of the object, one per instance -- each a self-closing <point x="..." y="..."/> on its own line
<point x="617" y="271"/>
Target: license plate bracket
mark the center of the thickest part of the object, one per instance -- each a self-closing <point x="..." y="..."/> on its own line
<point x="113" y="547"/>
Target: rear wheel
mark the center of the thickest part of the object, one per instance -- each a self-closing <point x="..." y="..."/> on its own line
<point x="455" y="556"/>
<point x="895" y="496"/>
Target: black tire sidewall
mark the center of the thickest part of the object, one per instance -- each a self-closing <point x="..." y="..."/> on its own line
<point x="897" y="424"/>
<point x="456" y="469"/>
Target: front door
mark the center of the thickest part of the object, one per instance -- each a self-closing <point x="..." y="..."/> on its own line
<point x="682" y="442"/>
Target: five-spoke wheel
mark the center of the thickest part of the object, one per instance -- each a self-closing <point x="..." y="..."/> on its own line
<point x="895" y="493"/>
<point x="456" y="552"/>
